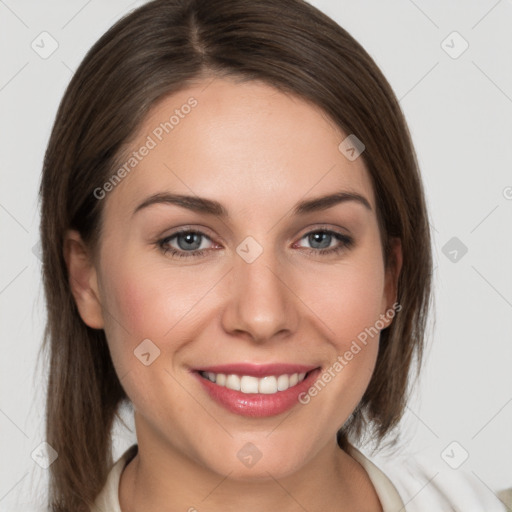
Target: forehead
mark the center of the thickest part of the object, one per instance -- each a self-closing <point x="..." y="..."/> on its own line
<point x="241" y="144"/>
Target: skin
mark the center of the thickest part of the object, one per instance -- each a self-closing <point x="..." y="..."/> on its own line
<point x="258" y="152"/>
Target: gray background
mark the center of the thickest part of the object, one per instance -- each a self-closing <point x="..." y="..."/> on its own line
<point x="459" y="112"/>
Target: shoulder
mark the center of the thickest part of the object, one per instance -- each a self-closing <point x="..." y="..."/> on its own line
<point x="427" y="482"/>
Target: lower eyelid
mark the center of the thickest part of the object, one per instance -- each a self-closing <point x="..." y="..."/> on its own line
<point x="345" y="242"/>
<point x="343" y="239"/>
<point x="168" y="239"/>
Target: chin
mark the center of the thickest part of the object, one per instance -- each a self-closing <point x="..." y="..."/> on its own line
<point x="257" y="460"/>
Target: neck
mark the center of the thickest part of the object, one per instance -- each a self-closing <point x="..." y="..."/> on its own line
<point x="162" y="478"/>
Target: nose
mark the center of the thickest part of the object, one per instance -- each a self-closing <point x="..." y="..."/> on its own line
<point x="262" y="305"/>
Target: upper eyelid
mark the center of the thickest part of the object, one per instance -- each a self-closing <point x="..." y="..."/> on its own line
<point x="345" y="241"/>
<point x="200" y="231"/>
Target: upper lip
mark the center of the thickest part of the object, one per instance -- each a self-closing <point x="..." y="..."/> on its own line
<point x="257" y="370"/>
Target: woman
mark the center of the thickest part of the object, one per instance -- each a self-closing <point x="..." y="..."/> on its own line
<point x="235" y="242"/>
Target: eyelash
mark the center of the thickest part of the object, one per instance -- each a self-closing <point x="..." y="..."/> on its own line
<point x="346" y="243"/>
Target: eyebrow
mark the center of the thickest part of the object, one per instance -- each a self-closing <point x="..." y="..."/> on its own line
<point x="208" y="206"/>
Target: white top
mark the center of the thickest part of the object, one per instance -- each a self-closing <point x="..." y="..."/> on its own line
<point x="414" y="488"/>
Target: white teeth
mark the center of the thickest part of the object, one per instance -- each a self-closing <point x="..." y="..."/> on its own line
<point x="268" y="385"/>
<point x="233" y="382"/>
<point x="248" y="384"/>
<point x="283" y="382"/>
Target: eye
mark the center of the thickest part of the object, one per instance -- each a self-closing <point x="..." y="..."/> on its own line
<point x="321" y="241"/>
<point x="188" y="241"/>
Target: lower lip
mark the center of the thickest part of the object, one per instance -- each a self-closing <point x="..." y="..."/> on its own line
<point x="257" y="405"/>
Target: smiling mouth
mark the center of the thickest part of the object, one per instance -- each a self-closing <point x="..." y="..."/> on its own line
<point x="268" y="385"/>
<point x="257" y="390"/>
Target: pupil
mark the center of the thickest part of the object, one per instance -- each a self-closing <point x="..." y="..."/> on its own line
<point x="189" y="239"/>
<point x="318" y="236"/>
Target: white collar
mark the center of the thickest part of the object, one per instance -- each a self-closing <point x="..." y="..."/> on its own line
<point x="108" y="499"/>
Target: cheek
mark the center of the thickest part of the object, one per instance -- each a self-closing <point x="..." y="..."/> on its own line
<point x="143" y="307"/>
<point x="136" y="308"/>
<point x="148" y="302"/>
<point x="351" y="308"/>
<point x="347" y="298"/>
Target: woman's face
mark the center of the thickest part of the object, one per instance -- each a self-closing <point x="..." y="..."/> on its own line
<point x="274" y="284"/>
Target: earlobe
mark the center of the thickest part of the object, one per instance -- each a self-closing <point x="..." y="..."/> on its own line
<point x="83" y="280"/>
<point x="392" y="277"/>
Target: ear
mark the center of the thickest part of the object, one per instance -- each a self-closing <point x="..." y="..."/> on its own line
<point x="390" y="294"/>
<point x="83" y="279"/>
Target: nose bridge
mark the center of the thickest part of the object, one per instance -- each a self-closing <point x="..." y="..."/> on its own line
<point x="260" y="303"/>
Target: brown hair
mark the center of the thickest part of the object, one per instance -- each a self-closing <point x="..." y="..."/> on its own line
<point x="154" y="51"/>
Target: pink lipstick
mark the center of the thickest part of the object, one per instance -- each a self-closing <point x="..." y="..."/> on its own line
<point x="256" y="390"/>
